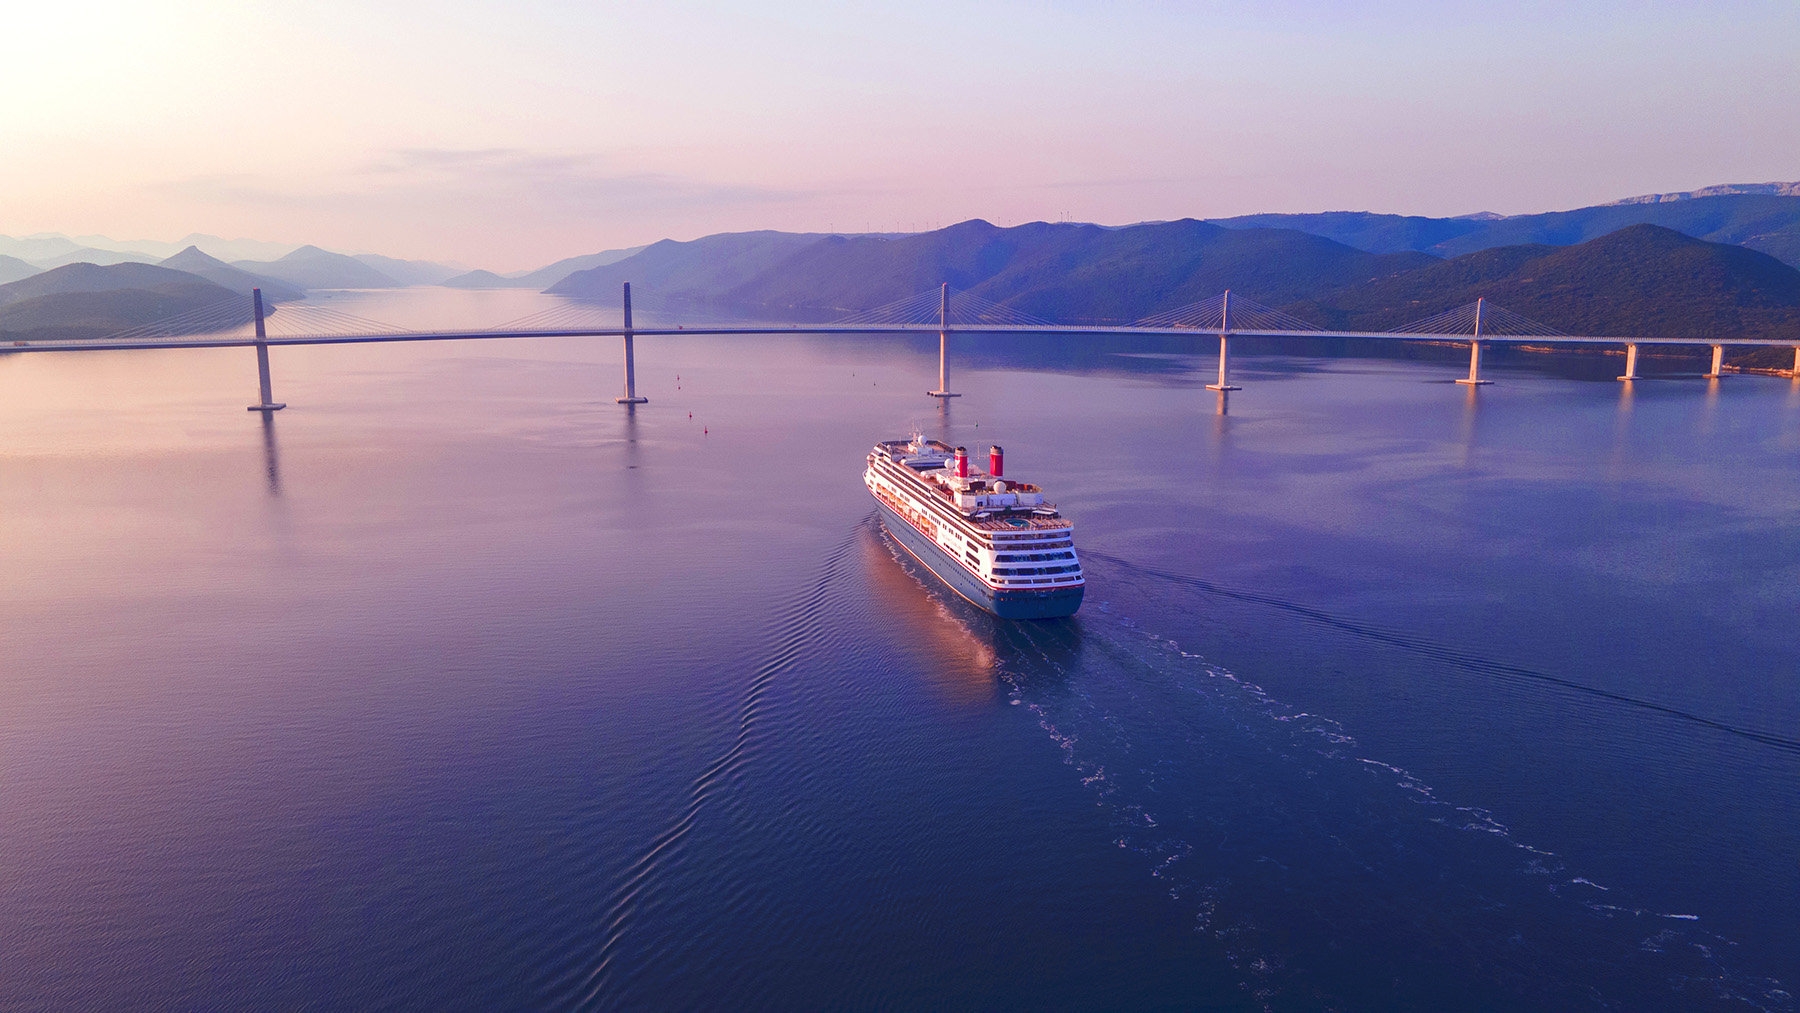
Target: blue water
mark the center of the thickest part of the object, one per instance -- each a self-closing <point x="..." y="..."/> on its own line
<point x="457" y="686"/>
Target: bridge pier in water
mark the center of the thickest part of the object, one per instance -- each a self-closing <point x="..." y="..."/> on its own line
<point x="1718" y="363"/>
<point x="1224" y="384"/>
<point x="268" y="402"/>
<point x="631" y="395"/>
<point x="1795" y="372"/>
<point x="1631" y="372"/>
<point x="943" y="387"/>
<point x="1475" y="379"/>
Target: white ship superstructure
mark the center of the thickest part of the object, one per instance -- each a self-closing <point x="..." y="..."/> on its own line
<point x="995" y="542"/>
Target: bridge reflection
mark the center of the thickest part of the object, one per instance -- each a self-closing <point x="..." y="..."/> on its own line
<point x="271" y="454"/>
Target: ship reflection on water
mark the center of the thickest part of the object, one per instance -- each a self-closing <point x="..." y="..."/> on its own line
<point x="976" y="648"/>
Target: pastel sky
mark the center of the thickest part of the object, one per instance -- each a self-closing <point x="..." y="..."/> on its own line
<point x="505" y="135"/>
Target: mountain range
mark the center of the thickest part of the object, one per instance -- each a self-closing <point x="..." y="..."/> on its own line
<point x="45" y="251"/>
<point x="311" y="267"/>
<point x="1643" y="280"/>
<point x="408" y="272"/>
<point x="93" y="300"/>
<point x="227" y="276"/>
<point x="12" y="269"/>
<point x="1766" y="221"/>
<point x="543" y="277"/>
<point x="1761" y="216"/>
<point x="51" y="249"/>
<point x="706" y="269"/>
<point x="1697" y="263"/>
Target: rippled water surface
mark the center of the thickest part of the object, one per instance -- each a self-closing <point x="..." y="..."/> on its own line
<point x="456" y="685"/>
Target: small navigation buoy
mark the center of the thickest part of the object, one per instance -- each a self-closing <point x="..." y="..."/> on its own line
<point x="704" y="430"/>
<point x="690" y="415"/>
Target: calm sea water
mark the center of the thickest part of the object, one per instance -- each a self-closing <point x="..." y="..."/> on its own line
<point x="457" y="686"/>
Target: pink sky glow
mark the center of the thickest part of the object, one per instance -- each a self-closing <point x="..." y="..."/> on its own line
<point x="506" y="136"/>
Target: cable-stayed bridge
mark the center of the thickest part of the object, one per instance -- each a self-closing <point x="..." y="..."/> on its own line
<point x="243" y="323"/>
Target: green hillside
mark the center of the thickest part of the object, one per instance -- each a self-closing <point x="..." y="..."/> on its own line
<point x="1767" y="222"/>
<point x="1642" y="281"/>
<point x="1062" y="272"/>
<point x="1365" y="230"/>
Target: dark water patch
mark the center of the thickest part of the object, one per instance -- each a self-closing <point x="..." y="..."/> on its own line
<point x="1300" y="856"/>
<point x="1447" y="655"/>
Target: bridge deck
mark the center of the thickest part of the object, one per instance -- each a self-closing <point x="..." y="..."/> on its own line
<point x="236" y="341"/>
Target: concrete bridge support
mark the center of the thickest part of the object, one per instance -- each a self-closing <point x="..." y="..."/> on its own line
<point x="1224" y="383"/>
<point x="1475" y="379"/>
<point x="943" y="387"/>
<point x="631" y="395"/>
<point x="268" y="402"/>
<point x="1795" y="372"/>
<point x="1631" y="372"/>
<point x="1718" y="363"/>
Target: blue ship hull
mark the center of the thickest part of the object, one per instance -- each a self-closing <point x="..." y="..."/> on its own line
<point x="1049" y="603"/>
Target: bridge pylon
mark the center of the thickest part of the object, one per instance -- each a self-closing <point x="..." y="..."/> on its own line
<point x="1474" y="379"/>
<point x="268" y="402"/>
<point x="943" y="387"/>
<point x="1224" y="384"/>
<point x="631" y="394"/>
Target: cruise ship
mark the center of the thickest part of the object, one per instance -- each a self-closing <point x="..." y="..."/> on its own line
<point x="995" y="542"/>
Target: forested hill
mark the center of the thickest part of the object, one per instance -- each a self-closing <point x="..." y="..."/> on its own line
<point x="1767" y="221"/>
<point x="703" y="269"/>
<point x="1641" y="281"/>
<point x="1069" y="273"/>
<point x="1064" y="272"/>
